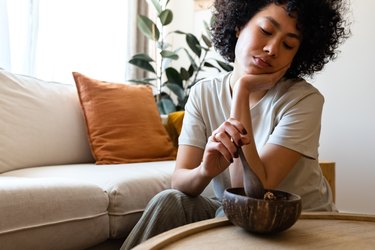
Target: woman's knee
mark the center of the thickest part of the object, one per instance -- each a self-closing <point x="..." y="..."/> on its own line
<point x="168" y="196"/>
<point x="168" y="202"/>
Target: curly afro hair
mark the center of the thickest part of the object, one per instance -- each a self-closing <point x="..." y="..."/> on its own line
<point x="321" y="23"/>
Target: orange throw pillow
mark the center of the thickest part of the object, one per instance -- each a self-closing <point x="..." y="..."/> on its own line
<point x="123" y="122"/>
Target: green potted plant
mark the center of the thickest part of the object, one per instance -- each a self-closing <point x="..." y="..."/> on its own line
<point x="173" y="85"/>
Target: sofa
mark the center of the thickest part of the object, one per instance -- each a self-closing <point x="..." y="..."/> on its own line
<point x="60" y="185"/>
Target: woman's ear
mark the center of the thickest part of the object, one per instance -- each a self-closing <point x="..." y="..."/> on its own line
<point x="237" y="32"/>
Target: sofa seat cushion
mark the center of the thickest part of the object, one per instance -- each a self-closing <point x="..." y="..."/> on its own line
<point x="38" y="213"/>
<point x="129" y="186"/>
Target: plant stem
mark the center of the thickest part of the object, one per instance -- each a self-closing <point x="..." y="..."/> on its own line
<point x="160" y="75"/>
<point x="161" y="59"/>
<point x="199" y="67"/>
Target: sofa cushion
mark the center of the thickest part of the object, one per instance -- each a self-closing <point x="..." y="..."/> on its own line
<point x="129" y="186"/>
<point x="123" y="122"/>
<point x="39" y="213"/>
<point x="41" y="123"/>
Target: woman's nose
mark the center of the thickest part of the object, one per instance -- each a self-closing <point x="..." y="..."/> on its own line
<point x="272" y="48"/>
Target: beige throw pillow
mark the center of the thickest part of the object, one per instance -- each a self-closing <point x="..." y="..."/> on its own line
<point x="41" y="123"/>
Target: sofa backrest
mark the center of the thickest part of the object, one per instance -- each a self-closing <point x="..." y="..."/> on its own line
<point x="41" y="123"/>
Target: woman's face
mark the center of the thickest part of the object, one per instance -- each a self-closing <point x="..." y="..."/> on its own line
<point x="268" y="42"/>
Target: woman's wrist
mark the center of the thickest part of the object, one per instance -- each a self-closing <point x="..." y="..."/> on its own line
<point x="203" y="174"/>
<point x="240" y="101"/>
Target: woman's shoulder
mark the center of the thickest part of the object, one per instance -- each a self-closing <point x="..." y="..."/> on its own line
<point x="296" y="88"/>
<point x="214" y="82"/>
<point x="212" y="91"/>
<point x="290" y="92"/>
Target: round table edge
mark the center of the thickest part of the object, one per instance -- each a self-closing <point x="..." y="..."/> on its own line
<point x="166" y="238"/>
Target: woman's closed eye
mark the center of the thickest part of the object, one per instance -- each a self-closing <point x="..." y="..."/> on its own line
<point x="266" y="32"/>
<point x="287" y="46"/>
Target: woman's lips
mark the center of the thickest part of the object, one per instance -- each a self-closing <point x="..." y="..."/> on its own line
<point x="261" y="63"/>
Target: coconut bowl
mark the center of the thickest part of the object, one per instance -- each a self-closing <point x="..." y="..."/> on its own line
<point x="261" y="215"/>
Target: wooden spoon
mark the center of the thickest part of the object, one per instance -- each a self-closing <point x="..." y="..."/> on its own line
<point x="252" y="185"/>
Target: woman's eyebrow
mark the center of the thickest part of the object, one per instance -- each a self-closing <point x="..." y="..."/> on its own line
<point x="278" y="26"/>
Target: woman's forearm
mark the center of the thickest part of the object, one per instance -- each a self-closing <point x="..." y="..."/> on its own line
<point x="240" y="110"/>
<point x="190" y="181"/>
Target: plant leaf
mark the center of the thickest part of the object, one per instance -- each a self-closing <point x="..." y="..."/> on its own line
<point x="179" y="32"/>
<point x="207" y="41"/>
<point x="166" y="17"/>
<point x="192" y="61"/>
<point x="161" y="108"/>
<point x="178" y="90"/>
<point x="144" y="81"/>
<point x="191" y="70"/>
<point x="143" y="64"/>
<point x="148" y="27"/>
<point x="157" y="5"/>
<point x="163" y="44"/>
<point x="193" y="43"/>
<point x="185" y="75"/>
<point x="166" y="105"/>
<point x="225" y="66"/>
<point x="210" y="65"/>
<point x="143" y="56"/>
<point x="208" y="26"/>
<point x="173" y="76"/>
<point x="169" y="54"/>
<point x="150" y="79"/>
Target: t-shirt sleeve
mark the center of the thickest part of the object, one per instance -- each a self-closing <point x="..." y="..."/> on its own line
<point x="299" y="126"/>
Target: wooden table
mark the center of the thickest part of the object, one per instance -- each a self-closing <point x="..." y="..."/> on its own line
<point x="311" y="231"/>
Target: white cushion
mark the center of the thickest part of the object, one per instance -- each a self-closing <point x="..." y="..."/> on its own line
<point x="41" y="123"/>
<point x="129" y="186"/>
<point x="40" y="213"/>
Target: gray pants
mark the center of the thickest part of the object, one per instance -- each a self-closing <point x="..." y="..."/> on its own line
<point x="170" y="209"/>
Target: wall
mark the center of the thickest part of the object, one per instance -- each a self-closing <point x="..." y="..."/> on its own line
<point x="348" y="125"/>
<point x="348" y="135"/>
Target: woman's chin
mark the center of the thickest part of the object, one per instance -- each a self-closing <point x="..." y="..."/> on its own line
<point x="256" y="71"/>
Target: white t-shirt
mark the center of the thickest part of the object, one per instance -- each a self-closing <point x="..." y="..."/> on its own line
<point x="288" y="115"/>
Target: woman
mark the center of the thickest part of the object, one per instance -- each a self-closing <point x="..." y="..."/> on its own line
<point x="263" y="106"/>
